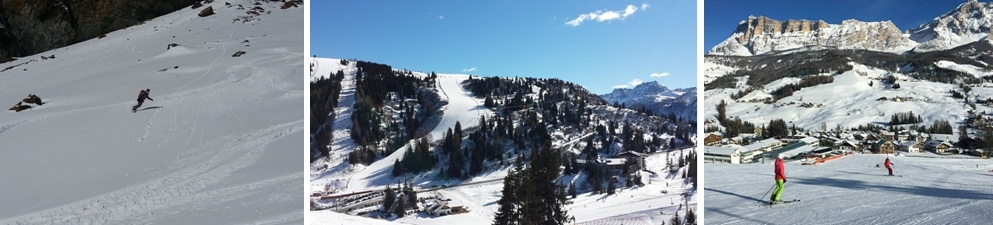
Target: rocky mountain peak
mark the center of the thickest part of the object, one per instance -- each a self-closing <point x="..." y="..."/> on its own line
<point x="760" y="25"/>
<point x="761" y="35"/>
<point x="969" y="22"/>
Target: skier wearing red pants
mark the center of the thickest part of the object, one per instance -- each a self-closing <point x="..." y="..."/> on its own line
<point x="889" y="165"/>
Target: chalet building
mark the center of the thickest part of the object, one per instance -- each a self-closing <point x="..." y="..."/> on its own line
<point x="712" y="139"/>
<point x="845" y="145"/>
<point x="912" y="146"/>
<point x="885" y="147"/>
<point x="941" y="143"/>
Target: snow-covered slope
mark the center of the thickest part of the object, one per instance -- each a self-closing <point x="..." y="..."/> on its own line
<point x="462" y="108"/>
<point x="657" y="98"/>
<point x="220" y="143"/>
<point x="342" y="143"/>
<point x="849" y="101"/>
<point x="852" y="190"/>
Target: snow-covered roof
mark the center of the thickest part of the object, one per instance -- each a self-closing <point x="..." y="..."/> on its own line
<point x="945" y="137"/>
<point x="762" y="144"/>
<point x="796" y="151"/>
<point x="809" y="140"/>
<point x="723" y="150"/>
<point x="615" y="161"/>
<point x="632" y="153"/>
<point x="908" y="143"/>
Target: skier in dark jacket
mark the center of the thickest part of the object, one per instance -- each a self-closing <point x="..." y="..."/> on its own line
<point x="141" y="99"/>
<point x="889" y="165"/>
<point x="780" y="180"/>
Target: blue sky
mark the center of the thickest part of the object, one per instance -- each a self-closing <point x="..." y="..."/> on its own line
<point x="721" y="17"/>
<point x="608" y="43"/>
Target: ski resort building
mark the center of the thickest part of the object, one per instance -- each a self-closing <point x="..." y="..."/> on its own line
<point x="726" y="154"/>
<point x="764" y="146"/>
<point x="811" y="141"/>
<point x="617" y="166"/>
<point x="792" y="150"/>
<point x="637" y="158"/>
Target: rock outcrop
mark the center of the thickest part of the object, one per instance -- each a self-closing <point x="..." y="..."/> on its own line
<point x="761" y="35"/>
<point x="26" y="103"/>
<point x="31" y="26"/>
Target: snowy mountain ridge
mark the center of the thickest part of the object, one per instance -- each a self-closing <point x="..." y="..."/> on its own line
<point x="969" y="22"/>
<point x="657" y="98"/>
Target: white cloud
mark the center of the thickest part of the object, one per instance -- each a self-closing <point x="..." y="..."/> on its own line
<point x="469" y="69"/>
<point x="607" y="15"/>
<point x="662" y="74"/>
<point x="441" y="17"/>
<point x="633" y="83"/>
<point x="631" y="9"/>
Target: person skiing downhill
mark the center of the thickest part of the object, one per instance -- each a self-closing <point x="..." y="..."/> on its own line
<point x="780" y="180"/>
<point x="142" y="95"/>
<point x="888" y="165"/>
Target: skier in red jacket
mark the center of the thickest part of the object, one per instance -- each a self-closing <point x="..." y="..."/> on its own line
<point x="888" y="165"/>
<point x="780" y="180"/>
<point x="142" y="95"/>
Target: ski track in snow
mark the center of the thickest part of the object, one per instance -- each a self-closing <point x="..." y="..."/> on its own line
<point x="221" y="146"/>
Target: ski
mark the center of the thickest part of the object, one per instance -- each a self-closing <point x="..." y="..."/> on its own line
<point x="766" y="204"/>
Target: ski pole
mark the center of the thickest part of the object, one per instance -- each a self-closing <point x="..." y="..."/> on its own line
<point x="770" y="190"/>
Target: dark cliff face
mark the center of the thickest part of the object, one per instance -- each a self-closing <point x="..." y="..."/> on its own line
<point x="31" y="26"/>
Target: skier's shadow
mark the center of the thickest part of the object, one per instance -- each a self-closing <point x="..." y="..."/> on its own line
<point x="733" y="194"/>
<point x="150" y="107"/>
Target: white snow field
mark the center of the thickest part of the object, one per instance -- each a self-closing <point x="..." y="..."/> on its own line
<point x="849" y="101"/>
<point x="220" y="143"/>
<point x="852" y="190"/>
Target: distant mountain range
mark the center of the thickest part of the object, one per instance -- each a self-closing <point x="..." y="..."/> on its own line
<point x="657" y="98"/>
<point x="968" y="23"/>
<point x="855" y="74"/>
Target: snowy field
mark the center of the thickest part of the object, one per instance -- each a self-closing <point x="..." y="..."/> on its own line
<point x="220" y="143"/>
<point x="852" y="190"/>
<point x="849" y="101"/>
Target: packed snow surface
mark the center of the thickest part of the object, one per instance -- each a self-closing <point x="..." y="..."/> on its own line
<point x="220" y="143"/>
<point x="852" y="190"/>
